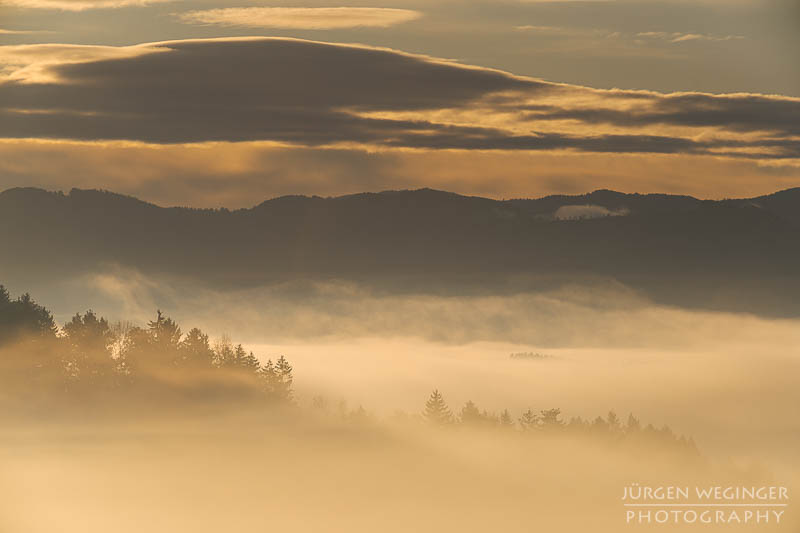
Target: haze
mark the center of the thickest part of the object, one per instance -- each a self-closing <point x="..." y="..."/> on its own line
<point x="442" y="266"/>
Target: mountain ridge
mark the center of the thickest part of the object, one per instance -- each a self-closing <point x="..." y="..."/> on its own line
<point x="735" y="254"/>
<point x="792" y="193"/>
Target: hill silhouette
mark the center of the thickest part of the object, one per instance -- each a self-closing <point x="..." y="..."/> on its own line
<point x="738" y="254"/>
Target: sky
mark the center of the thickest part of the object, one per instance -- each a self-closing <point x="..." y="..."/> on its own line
<point x="207" y="104"/>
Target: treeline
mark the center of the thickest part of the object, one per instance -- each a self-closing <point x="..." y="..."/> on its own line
<point x="42" y="365"/>
<point x="610" y="429"/>
<point x="550" y="422"/>
<point x="89" y="356"/>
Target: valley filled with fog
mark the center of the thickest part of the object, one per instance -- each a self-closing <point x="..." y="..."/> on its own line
<point x="354" y="451"/>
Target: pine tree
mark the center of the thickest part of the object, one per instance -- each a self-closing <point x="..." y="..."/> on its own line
<point x="436" y="410"/>
<point x="600" y="425"/>
<point x="505" y="419"/>
<point x="24" y="318"/>
<point x="195" y="350"/>
<point x="165" y="334"/>
<point x="633" y="424"/>
<point x="89" y="340"/>
<point x="529" y="421"/>
<point x="245" y="361"/>
<point x="614" y="424"/>
<point x="277" y="379"/>
<point x="470" y="414"/>
<point x="550" y="419"/>
<point x="285" y="379"/>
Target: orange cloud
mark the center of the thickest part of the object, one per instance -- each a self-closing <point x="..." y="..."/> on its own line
<point x="313" y="18"/>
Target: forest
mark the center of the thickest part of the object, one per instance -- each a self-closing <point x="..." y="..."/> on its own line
<point x="92" y="365"/>
<point x="733" y="255"/>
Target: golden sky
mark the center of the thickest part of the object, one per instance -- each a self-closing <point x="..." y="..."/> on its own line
<point x="207" y="104"/>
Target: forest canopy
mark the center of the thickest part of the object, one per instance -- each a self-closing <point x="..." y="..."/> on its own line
<point x="89" y="362"/>
<point x="89" y="356"/>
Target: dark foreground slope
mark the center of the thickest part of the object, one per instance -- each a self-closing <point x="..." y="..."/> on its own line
<point x="741" y="255"/>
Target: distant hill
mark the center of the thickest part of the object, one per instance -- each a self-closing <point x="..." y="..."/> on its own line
<point x="741" y="255"/>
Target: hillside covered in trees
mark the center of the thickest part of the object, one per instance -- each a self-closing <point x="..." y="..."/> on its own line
<point x="734" y="255"/>
<point x="88" y="358"/>
<point x="89" y="365"/>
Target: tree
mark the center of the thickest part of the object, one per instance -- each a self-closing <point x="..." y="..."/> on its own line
<point x="436" y="410"/>
<point x="35" y="366"/>
<point x="614" y="423"/>
<point x="195" y="351"/>
<point x="577" y="424"/>
<point x="285" y="378"/>
<point x="633" y="424"/>
<point x="24" y="319"/>
<point x="529" y="421"/>
<point x="505" y="419"/>
<point x="165" y="337"/>
<point x="600" y="425"/>
<point x="154" y="348"/>
<point x="223" y="352"/>
<point x="549" y="419"/>
<point x="247" y="362"/>
<point x="470" y="414"/>
<point x="89" y="339"/>
<point x="277" y="379"/>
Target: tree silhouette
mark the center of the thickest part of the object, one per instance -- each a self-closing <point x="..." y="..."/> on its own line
<point x="89" y="341"/>
<point x="529" y="421"/>
<point x="164" y="337"/>
<point x="436" y="410"/>
<point x="195" y="350"/>
<point x="277" y="379"/>
<point x="470" y="414"/>
<point x="224" y="353"/>
<point x="633" y="424"/>
<point x="244" y="361"/>
<point x="614" y="423"/>
<point x="549" y="419"/>
<point x="24" y="318"/>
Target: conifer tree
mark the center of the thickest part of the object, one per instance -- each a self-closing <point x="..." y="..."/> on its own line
<point x="633" y="424"/>
<point x="195" y="350"/>
<point x="529" y="421"/>
<point x="505" y="419"/>
<point x="470" y="414"/>
<point x="283" y="371"/>
<point x="549" y="419"/>
<point x="614" y="424"/>
<point x="436" y="410"/>
<point x="277" y="379"/>
<point x="88" y="339"/>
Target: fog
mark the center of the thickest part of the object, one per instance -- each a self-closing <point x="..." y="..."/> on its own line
<point x="354" y="453"/>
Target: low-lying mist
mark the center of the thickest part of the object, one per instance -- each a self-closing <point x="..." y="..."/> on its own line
<point x="355" y="450"/>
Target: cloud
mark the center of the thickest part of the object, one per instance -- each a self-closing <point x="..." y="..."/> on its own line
<point x="295" y="18"/>
<point x="79" y="5"/>
<point x="739" y="112"/>
<point x="578" y="212"/>
<point x="21" y="32"/>
<point x="239" y="89"/>
<point x="545" y="29"/>
<point x="677" y="37"/>
<point x="37" y="63"/>
<point x="307" y="93"/>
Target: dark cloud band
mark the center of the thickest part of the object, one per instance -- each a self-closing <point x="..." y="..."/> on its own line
<point x="311" y="94"/>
